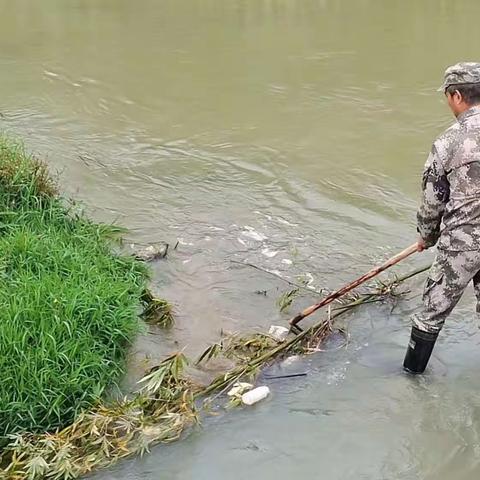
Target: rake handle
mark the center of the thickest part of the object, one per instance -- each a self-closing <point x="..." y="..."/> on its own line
<point x="342" y="291"/>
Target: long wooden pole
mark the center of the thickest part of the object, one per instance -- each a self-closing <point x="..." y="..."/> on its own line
<point x="342" y="291"/>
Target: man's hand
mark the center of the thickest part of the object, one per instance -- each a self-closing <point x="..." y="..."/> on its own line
<point x="421" y="246"/>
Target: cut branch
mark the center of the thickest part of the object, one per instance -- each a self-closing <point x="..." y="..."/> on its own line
<point x="347" y="288"/>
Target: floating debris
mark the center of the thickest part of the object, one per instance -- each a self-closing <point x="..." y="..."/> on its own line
<point x="156" y="310"/>
<point x="166" y="403"/>
<point x="278" y="332"/>
<point x="287" y="298"/>
<point x="239" y="388"/>
<point x="151" y="253"/>
<point x="255" y="395"/>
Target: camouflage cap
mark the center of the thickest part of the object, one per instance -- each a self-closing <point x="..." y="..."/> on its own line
<point x="460" y="73"/>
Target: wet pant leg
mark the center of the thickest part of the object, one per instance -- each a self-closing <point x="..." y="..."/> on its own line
<point x="447" y="279"/>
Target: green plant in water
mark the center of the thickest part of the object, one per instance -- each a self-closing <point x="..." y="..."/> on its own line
<point x="247" y="347"/>
<point x="157" y="311"/>
<point x="212" y="351"/>
<point x="286" y="299"/>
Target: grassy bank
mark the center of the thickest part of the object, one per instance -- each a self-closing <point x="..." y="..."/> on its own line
<point x="69" y="306"/>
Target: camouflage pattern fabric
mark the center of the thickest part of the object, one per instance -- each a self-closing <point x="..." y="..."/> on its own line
<point x="450" y="208"/>
<point x="450" y="215"/>
<point x="461" y="73"/>
<point x="450" y="274"/>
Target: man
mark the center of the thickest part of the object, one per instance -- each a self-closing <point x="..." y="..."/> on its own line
<point x="449" y="213"/>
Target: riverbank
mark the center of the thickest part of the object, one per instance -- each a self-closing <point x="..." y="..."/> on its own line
<point x="70" y="306"/>
<point x="72" y="310"/>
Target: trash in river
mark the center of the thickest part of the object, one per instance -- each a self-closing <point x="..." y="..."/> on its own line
<point x="239" y="388"/>
<point x="278" y="333"/>
<point x="151" y="252"/>
<point x="286" y="375"/>
<point x="167" y="400"/>
<point x="255" y="395"/>
<point x="291" y="360"/>
<point x="236" y="392"/>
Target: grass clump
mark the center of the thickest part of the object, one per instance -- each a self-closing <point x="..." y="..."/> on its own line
<point x="159" y="412"/>
<point x="69" y="306"/>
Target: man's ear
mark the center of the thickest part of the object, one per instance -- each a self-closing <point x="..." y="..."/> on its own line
<point x="457" y="97"/>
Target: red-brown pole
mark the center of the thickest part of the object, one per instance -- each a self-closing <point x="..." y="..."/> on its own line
<point x="342" y="291"/>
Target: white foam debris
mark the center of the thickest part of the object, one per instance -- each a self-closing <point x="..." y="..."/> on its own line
<point x="181" y="241"/>
<point x="239" y="388"/>
<point x="269" y="253"/>
<point x="286" y="261"/>
<point x="286" y="222"/>
<point x="242" y="242"/>
<point x="309" y="277"/>
<point x="253" y="234"/>
<point x="50" y="74"/>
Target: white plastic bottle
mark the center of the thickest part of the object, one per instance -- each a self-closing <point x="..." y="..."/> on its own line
<point x="255" y="395"/>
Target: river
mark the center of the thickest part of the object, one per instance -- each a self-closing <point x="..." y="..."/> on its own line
<point x="289" y="134"/>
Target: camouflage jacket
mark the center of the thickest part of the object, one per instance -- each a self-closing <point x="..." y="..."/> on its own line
<point x="450" y="207"/>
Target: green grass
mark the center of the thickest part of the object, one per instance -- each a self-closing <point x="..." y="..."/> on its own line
<point x="68" y="305"/>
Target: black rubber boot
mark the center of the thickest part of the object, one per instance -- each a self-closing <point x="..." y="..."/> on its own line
<point x="419" y="350"/>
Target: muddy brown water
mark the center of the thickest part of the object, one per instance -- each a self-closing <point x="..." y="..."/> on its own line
<point x="289" y="134"/>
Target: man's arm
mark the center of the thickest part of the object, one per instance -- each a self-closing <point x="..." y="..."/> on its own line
<point x="435" y="195"/>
